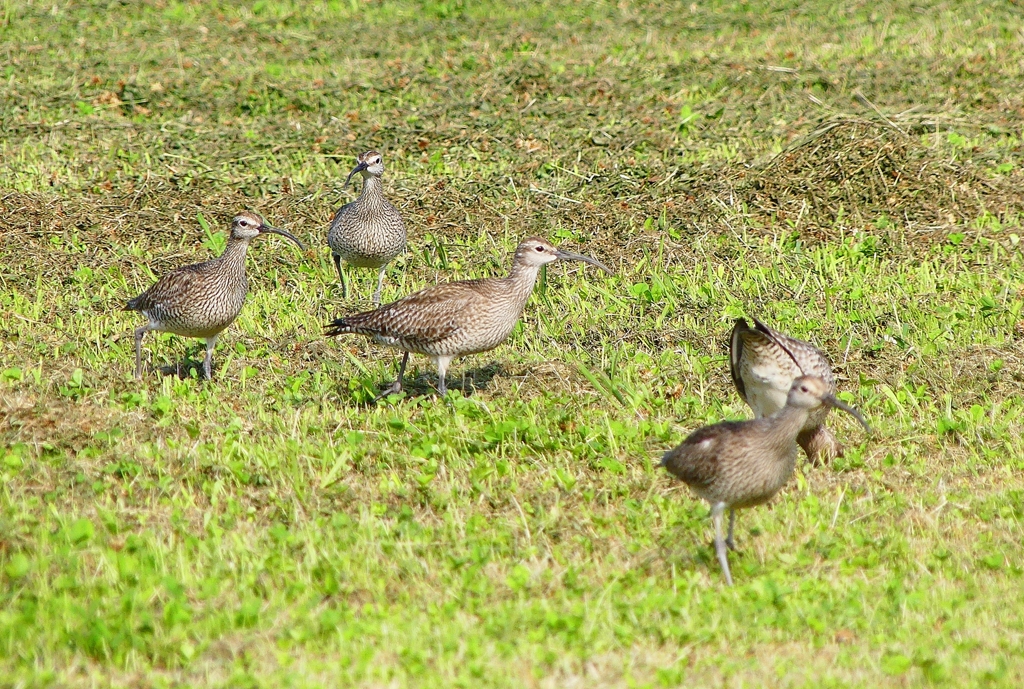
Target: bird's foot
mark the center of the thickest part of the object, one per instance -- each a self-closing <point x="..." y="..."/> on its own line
<point x="392" y="389"/>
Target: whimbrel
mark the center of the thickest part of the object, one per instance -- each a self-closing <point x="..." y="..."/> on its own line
<point x="202" y="299"/>
<point x="457" y="318"/>
<point x="369" y="232"/>
<point x="764" y="363"/>
<point x="736" y="464"/>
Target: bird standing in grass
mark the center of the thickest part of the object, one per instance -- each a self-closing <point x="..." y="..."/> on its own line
<point x="457" y="318"/>
<point x="202" y="299"/>
<point x="736" y="464"/>
<point x="764" y="363"/>
<point x="369" y="232"/>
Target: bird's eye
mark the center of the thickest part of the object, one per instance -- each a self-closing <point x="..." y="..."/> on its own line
<point x="803" y="388"/>
<point x="539" y="248"/>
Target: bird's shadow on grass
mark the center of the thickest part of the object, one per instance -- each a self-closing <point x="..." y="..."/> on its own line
<point x="474" y="379"/>
<point x="687" y="554"/>
<point x="186" y="369"/>
<point x="424" y="384"/>
<point x="693" y="556"/>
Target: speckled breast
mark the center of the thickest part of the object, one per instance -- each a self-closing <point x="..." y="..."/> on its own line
<point x="368" y="240"/>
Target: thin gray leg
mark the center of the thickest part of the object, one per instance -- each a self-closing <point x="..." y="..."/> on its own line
<point x="341" y="276"/>
<point x="380" y="284"/>
<point x="442" y="371"/>
<point x="717" y="510"/>
<point x="211" y="342"/>
<point x="395" y="387"/>
<point x="401" y="370"/>
<point x="140" y="333"/>
<point x="337" y="264"/>
<point x="732" y="522"/>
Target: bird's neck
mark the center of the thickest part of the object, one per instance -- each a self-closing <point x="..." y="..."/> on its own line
<point x="786" y="425"/>
<point x="523" y="277"/>
<point x="373" y="192"/>
<point x="519" y="285"/>
<point x="235" y="251"/>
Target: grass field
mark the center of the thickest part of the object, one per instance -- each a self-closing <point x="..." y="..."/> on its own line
<point x="848" y="172"/>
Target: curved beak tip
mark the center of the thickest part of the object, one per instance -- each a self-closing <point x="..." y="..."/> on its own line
<point x="570" y="256"/>
<point x="839" y="404"/>
<point x="283" y="233"/>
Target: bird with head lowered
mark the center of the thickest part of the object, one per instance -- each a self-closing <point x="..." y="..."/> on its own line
<point x="737" y="464"/>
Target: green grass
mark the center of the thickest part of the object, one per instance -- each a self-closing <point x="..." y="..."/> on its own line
<point x="271" y="528"/>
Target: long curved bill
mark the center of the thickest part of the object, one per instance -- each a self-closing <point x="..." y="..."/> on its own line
<point x="358" y="168"/>
<point x="273" y="230"/>
<point x="839" y="404"/>
<point x="570" y="256"/>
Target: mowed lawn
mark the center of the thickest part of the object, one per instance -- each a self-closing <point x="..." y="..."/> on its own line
<point x="850" y="173"/>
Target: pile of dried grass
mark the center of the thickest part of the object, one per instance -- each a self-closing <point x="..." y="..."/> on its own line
<point x="853" y="171"/>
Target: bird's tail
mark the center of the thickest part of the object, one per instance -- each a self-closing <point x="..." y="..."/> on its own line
<point x="339" y="326"/>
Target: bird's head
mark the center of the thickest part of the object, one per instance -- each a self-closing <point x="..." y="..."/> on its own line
<point x="536" y="251"/>
<point x="369" y="164"/>
<point x="247" y="225"/>
<point x="811" y="392"/>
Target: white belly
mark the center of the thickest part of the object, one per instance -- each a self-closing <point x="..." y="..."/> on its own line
<point x="767" y="388"/>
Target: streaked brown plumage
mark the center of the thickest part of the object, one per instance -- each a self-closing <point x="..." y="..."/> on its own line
<point x="764" y="363"/>
<point x="369" y="232"/>
<point x="736" y="464"/>
<point x="457" y="318"/>
<point x="202" y="299"/>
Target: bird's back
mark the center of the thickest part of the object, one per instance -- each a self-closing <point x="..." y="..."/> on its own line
<point x="695" y="461"/>
<point x="740" y="463"/>
<point x="448" y="319"/>
<point x="764" y="363"/>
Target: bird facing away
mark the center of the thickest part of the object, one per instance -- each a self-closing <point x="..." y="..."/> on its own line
<point x="202" y="299"/>
<point x="736" y="464"/>
<point x="369" y="232"/>
<point x="764" y="363"/>
<point x="457" y="318"/>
